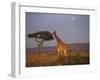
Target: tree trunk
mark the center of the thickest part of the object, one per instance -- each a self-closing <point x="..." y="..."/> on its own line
<point x="40" y="43"/>
<point x="39" y="49"/>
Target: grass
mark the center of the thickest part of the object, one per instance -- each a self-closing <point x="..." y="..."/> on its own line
<point x="51" y="59"/>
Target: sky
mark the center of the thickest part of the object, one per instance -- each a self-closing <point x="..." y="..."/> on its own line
<point x="71" y="28"/>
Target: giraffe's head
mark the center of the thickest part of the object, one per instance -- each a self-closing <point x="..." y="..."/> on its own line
<point x="53" y="33"/>
<point x="55" y="36"/>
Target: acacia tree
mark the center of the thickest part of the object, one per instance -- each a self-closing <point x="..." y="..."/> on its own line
<point x="40" y="37"/>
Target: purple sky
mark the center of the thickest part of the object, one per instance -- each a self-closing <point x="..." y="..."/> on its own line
<point x="70" y="27"/>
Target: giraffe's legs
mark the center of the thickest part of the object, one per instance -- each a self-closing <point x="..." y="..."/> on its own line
<point x="62" y="51"/>
<point x="65" y="53"/>
<point x="58" y="52"/>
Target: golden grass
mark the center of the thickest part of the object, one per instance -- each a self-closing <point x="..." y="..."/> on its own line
<point x="50" y="59"/>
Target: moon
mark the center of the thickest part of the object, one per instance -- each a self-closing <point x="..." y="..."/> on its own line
<point x="73" y="18"/>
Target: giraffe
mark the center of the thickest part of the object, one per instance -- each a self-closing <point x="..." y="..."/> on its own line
<point x="62" y="48"/>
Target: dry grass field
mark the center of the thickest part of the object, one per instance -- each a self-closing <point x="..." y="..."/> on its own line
<point x="50" y="59"/>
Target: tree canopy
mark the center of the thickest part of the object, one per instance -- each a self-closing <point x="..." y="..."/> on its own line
<point x="45" y="35"/>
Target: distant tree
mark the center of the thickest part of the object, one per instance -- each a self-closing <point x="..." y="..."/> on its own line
<point x="39" y="37"/>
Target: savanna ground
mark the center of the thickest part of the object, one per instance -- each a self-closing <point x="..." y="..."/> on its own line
<point x="50" y="59"/>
